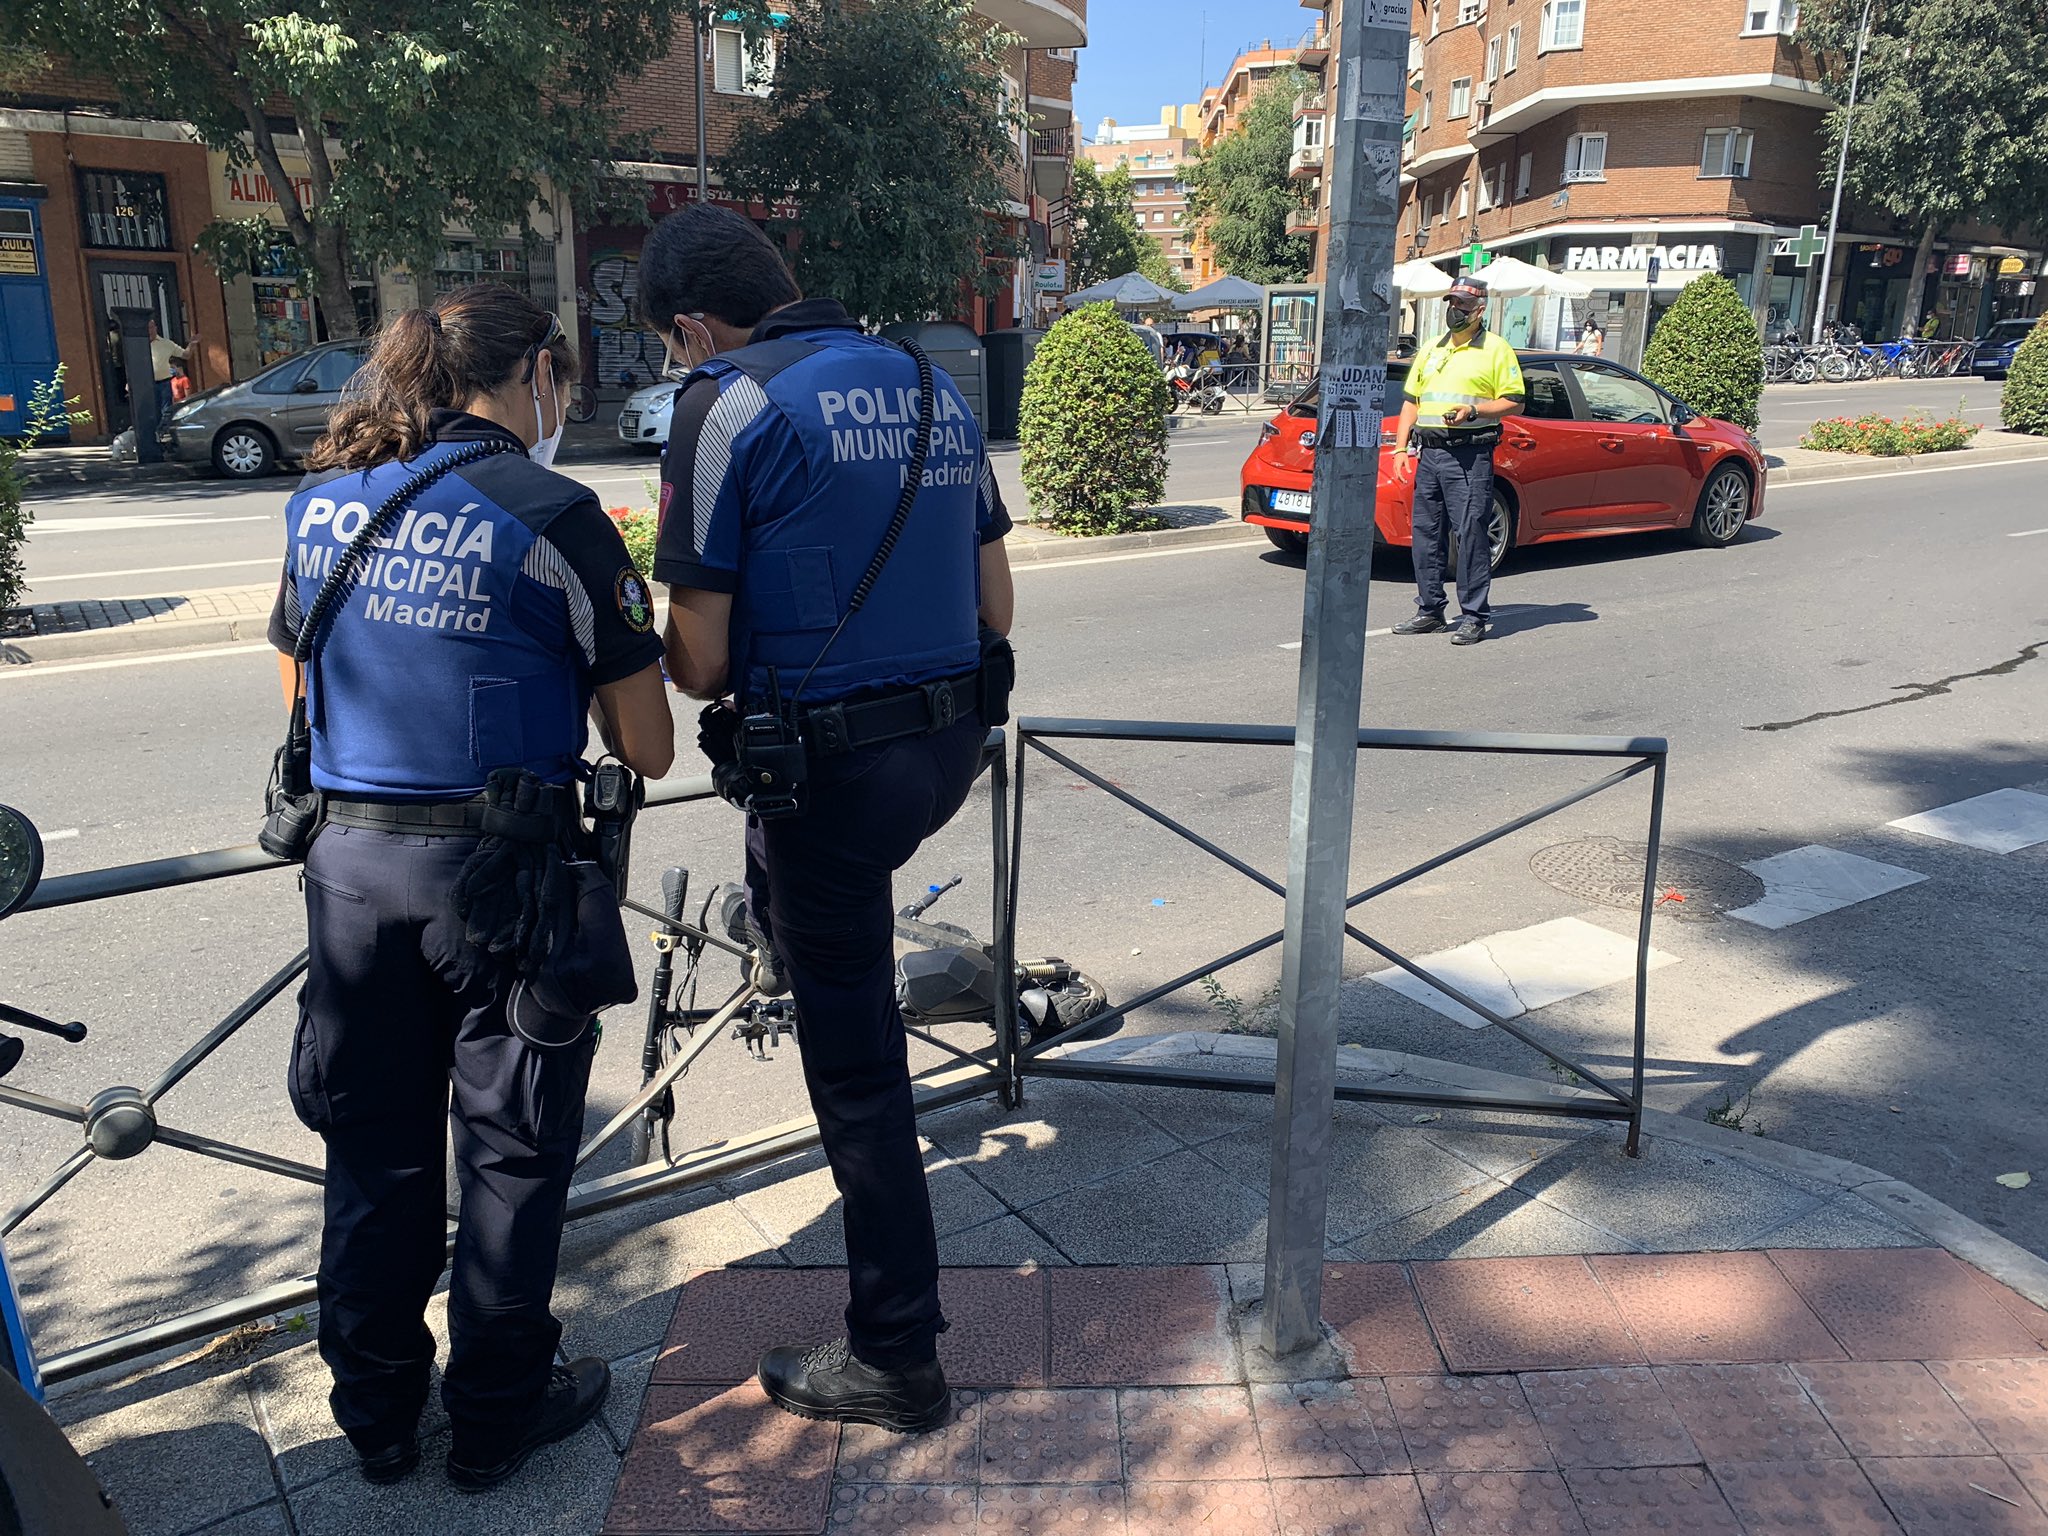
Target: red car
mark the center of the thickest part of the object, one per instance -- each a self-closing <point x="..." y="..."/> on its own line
<point x="1598" y="450"/>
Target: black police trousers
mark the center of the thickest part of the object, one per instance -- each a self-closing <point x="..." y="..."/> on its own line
<point x="398" y="1008"/>
<point x="1454" y="489"/>
<point x="819" y="887"/>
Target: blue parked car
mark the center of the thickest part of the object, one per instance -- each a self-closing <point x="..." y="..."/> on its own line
<point x="1992" y="356"/>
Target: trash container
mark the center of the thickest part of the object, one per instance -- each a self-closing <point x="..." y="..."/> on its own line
<point x="1009" y="354"/>
<point x="955" y="348"/>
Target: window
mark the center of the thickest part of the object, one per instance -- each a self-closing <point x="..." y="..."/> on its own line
<point x="1564" y="25"/>
<point x="331" y="370"/>
<point x="125" y="210"/>
<point x="1428" y="207"/>
<point x="1485" y="190"/>
<point x="1493" y="185"/>
<point x="1492" y="60"/>
<point x="1461" y="96"/>
<point x="1612" y="396"/>
<point x="1547" y="398"/>
<point x="736" y="69"/>
<point x="1725" y="152"/>
<point x="1427" y="98"/>
<point x="1770" y="16"/>
<point x="1414" y="55"/>
<point x="1444" y="213"/>
<point x="1525" y="170"/>
<point x="1464" y="201"/>
<point x="1585" y="157"/>
<point x="1436" y="17"/>
<point x="1470" y="10"/>
<point x="1514" y="47"/>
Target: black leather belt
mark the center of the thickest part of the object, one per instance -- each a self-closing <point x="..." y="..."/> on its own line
<point x="830" y="730"/>
<point x="1442" y="437"/>
<point x="435" y="818"/>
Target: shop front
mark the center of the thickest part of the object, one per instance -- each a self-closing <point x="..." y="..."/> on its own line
<point x="1636" y="276"/>
<point x="28" y="329"/>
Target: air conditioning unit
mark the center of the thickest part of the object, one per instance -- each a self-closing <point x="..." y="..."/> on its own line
<point x="1484" y="94"/>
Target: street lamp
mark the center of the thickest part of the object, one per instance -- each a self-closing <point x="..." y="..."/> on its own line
<point x="1827" y="257"/>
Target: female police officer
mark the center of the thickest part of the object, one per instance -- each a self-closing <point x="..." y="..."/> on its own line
<point x="481" y="625"/>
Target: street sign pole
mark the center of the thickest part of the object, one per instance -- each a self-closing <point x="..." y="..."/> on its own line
<point x="1363" y="175"/>
<point x="1827" y="257"/>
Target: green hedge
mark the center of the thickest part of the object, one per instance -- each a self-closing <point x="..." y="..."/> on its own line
<point x="1708" y="352"/>
<point x="1888" y="438"/>
<point x="2025" y="404"/>
<point x="1093" y="426"/>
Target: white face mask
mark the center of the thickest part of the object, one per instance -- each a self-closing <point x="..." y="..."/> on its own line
<point x="543" y="450"/>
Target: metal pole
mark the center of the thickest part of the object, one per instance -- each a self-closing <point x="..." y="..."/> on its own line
<point x="1827" y="256"/>
<point x="698" y="37"/>
<point x="1364" y="186"/>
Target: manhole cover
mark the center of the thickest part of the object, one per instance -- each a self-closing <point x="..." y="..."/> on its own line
<point x="1692" y="886"/>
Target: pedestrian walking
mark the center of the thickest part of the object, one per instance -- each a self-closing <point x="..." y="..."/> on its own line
<point x="449" y="611"/>
<point x="1592" y="340"/>
<point x="787" y="495"/>
<point x="164" y="355"/>
<point x="1458" y="390"/>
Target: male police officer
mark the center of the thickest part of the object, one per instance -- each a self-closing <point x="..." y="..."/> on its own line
<point x="1458" y="391"/>
<point x="785" y="466"/>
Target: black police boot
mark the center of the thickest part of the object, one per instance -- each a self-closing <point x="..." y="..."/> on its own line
<point x="575" y="1393"/>
<point x="831" y="1382"/>
<point x="1470" y="632"/>
<point x="1422" y="624"/>
<point x="390" y="1464"/>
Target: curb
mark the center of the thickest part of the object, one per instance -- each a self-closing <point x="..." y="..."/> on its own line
<point x="1943" y="1226"/>
<point x="1859" y="464"/>
<point x="136" y="639"/>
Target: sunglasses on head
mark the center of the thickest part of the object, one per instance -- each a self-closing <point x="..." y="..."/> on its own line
<point x="553" y="334"/>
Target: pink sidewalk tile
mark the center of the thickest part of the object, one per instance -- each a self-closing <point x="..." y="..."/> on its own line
<point x="868" y="1454"/>
<point x="996" y="1332"/>
<point x="2006" y="1399"/>
<point x="1468" y="1424"/>
<point x="1350" y="1506"/>
<point x="1712" y="1308"/>
<point x="866" y="1509"/>
<point x="1495" y="1503"/>
<point x="725" y="1318"/>
<point x="1328" y="1429"/>
<point x="1935" y="1495"/>
<point x="1378" y="1320"/>
<point x="1748" y="1413"/>
<point x="1052" y="1511"/>
<point x="1189" y="1434"/>
<point x="1050" y="1437"/>
<point x="1612" y="1417"/>
<point x="1904" y="1304"/>
<point x="1890" y="1408"/>
<point x="1637" y="1500"/>
<point x="1523" y="1315"/>
<point x="1829" y="1498"/>
<point x="1145" y="1327"/>
<point x="2031" y="1317"/>
<point x="706" y="1458"/>
<point x="1175" y="1509"/>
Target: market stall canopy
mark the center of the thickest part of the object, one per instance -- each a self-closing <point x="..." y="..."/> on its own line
<point x="1421" y="279"/>
<point x="1507" y="277"/>
<point x="1223" y="293"/>
<point x="1131" y="291"/>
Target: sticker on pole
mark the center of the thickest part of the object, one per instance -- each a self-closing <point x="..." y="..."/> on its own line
<point x="1388" y="13"/>
<point x="1354" y="399"/>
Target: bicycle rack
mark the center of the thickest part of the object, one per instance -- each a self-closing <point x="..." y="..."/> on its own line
<point x="122" y="1122"/>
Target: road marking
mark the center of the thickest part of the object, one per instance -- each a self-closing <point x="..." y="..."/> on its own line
<point x="2027" y="534"/>
<point x="1370" y="634"/>
<point x="274" y="561"/>
<point x="1900" y="474"/>
<point x="34" y="669"/>
<point x="58" y="837"/>
<point x="1143" y="554"/>
<point x="1528" y="968"/>
<point x="140" y="521"/>
<point x="2004" y="821"/>
<point x="1805" y="882"/>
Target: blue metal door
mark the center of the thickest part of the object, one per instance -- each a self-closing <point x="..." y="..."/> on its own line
<point x="28" y="333"/>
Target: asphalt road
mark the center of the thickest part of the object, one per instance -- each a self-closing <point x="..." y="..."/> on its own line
<point x="1873" y="648"/>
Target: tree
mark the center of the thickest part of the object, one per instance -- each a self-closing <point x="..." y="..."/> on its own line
<point x="2024" y="405"/>
<point x="887" y="126"/>
<point x="1107" y="240"/>
<point x="1092" y="427"/>
<point x="1242" y="193"/>
<point x="1707" y="352"/>
<point x="1951" y="111"/>
<point x="411" y="115"/>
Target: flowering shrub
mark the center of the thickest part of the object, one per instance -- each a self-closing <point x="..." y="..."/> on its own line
<point x="637" y="526"/>
<point x="1888" y="438"/>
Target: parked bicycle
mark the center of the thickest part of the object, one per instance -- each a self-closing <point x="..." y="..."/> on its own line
<point x="582" y="403"/>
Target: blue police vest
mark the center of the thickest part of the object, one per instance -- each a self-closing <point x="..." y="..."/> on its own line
<point x="814" y="518"/>
<point x="447" y="660"/>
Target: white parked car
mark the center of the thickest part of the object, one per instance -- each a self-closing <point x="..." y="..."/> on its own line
<point x="643" y="420"/>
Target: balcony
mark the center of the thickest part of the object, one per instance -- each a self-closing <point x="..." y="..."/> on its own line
<point x="1309" y="104"/>
<point x="1307" y="160"/>
<point x="1041" y="23"/>
<point x="1313" y="51"/>
<point x="1052" y="161"/>
<point x="1050" y="91"/>
<point x="1304" y="221"/>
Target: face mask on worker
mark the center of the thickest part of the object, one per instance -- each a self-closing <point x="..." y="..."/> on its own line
<point x="675" y="372"/>
<point x="1465" y="319"/>
<point x="545" y="442"/>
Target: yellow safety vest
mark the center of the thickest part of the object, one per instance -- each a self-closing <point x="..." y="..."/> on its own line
<point x="1447" y="375"/>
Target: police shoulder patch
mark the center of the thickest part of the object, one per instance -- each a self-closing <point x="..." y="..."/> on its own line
<point x="636" y="604"/>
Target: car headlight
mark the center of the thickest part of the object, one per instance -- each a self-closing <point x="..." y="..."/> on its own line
<point x="1267" y="432"/>
<point x="187" y="408"/>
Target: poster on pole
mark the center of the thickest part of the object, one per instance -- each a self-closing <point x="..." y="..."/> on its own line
<point x="1353" y="405"/>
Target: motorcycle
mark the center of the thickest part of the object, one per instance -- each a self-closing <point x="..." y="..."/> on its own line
<point x="1202" y="391"/>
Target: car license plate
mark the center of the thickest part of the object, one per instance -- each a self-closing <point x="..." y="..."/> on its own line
<point x="629" y="422"/>
<point x="1291" y="501"/>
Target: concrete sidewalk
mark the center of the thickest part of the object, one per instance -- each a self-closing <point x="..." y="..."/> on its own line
<point x="1532" y="1334"/>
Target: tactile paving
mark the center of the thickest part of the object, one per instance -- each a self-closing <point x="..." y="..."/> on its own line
<point x="1328" y="1429"/>
<point x="1523" y="1315"/>
<point x="1636" y="1500"/>
<point x="725" y="1318"/>
<point x="1467" y="1424"/>
<point x="1785" y="1498"/>
<point x="1189" y="1434"/>
<point x="1378" y="1320"/>
<point x="1747" y="1413"/>
<point x="2006" y="1399"/>
<point x="951" y="1454"/>
<point x="877" y="1510"/>
<point x="706" y="1458"/>
<point x="1175" y="1509"/>
<point x="1712" y="1308"/>
<point x="2031" y="1317"/>
<point x="996" y="1327"/>
<point x="1350" y="1506"/>
<point x="1934" y="1495"/>
<point x="1493" y="1503"/>
<point x="1612" y="1417"/>
<point x="1903" y="1304"/>
<point x="1157" y="1327"/>
<point x="1050" y="1437"/>
<point x="1890" y="1408"/>
<point x="1052" y="1511"/>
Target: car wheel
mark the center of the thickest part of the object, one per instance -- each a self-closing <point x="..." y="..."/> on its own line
<point x="1723" y="508"/>
<point x="1287" y="541"/>
<point x="243" y="452"/>
<point x="1500" y="536"/>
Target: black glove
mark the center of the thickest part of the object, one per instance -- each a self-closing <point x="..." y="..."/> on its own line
<point x="718" y="734"/>
<point x="512" y="894"/>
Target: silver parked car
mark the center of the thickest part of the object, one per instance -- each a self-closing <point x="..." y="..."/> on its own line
<point x="245" y="429"/>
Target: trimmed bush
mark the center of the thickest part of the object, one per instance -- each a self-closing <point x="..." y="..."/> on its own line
<point x="1887" y="438"/>
<point x="1093" y="426"/>
<point x="2025" y="406"/>
<point x="1707" y="351"/>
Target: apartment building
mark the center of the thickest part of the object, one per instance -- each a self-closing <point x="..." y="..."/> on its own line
<point x="1157" y="156"/>
<point x="1639" y="147"/>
